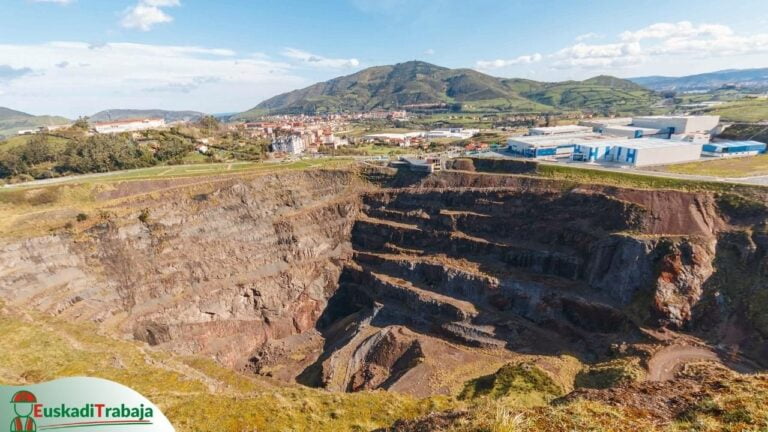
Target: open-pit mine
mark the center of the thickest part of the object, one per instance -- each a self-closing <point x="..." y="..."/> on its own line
<point x="364" y="279"/>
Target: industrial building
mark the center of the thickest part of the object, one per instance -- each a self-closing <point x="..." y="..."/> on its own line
<point x="459" y="133"/>
<point x="130" y="125"/>
<point x="631" y="131"/>
<point x="678" y="124"/>
<point x="428" y="165"/>
<point x="599" y="123"/>
<point x="653" y="151"/>
<point x="559" y="130"/>
<point x="726" y="149"/>
<point x="544" y="146"/>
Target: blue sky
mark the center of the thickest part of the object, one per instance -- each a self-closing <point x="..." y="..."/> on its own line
<point x="75" y="57"/>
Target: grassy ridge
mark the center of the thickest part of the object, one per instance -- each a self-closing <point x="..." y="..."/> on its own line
<point x="195" y="393"/>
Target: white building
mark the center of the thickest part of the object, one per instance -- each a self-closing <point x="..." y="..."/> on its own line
<point x="652" y="151"/>
<point x="599" y="123"/>
<point x="132" y="125"/>
<point x="459" y="133"/>
<point x="629" y="131"/>
<point x="544" y="146"/>
<point x="291" y="144"/>
<point x="678" y="124"/>
<point x="696" y="138"/>
<point x="559" y="130"/>
<point x="725" y="149"/>
<point x="401" y="139"/>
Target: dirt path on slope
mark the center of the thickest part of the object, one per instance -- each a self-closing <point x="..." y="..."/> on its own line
<point x="665" y="363"/>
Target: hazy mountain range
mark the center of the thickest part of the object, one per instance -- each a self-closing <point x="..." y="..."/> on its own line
<point x="12" y="121"/>
<point x="122" y="114"/>
<point x="750" y="78"/>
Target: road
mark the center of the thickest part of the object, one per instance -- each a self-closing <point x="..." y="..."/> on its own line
<point x="665" y="363"/>
<point x="752" y="181"/>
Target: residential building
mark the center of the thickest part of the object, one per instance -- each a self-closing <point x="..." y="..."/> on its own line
<point x="291" y="144"/>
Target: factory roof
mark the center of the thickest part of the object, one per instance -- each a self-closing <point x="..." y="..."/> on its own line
<point x="673" y="116"/>
<point x="631" y="128"/>
<point x="549" y="140"/>
<point x="560" y="129"/>
<point x="729" y="144"/>
<point x="651" y="143"/>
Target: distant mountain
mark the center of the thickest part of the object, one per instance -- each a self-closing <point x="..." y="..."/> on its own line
<point x="123" y="114"/>
<point x="416" y="82"/>
<point x="750" y="78"/>
<point x="12" y="121"/>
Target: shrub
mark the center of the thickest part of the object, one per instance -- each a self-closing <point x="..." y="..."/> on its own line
<point x="144" y="215"/>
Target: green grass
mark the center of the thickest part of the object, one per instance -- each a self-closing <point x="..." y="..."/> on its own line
<point x="527" y="384"/>
<point x="196" y="170"/>
<point x="195" y="393"/>
<point x="35" y="209"/>
<point x="745" y="110"/>
<point x="730" y="167"/>
<point x="611" y="374"/>
<point x="17" y="141"/>
<point x="626" y="179"/>
<point x="380" y="150"/>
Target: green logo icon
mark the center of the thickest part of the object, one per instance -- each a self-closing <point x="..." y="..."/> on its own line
<point x="23" y="403"/>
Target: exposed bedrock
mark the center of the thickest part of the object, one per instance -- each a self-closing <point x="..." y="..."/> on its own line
<point x="217" y="270"/>
<point x="320" y="277"/>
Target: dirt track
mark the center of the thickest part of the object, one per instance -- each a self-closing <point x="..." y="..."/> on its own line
<point x="665" y="363"/>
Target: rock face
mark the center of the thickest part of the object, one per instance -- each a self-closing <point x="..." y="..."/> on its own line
<point x="319" y="277"/>
<point x="218" y="271"/>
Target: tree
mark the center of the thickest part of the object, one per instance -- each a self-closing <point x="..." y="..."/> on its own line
<point x="209" y="123"/>
<point x="81" y="123"/>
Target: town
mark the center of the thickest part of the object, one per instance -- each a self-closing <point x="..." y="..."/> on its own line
<point x="623" y="143"/>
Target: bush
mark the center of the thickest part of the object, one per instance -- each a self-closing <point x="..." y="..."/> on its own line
<point x="144" y="215"/>
<point x="81" y="217"/>
<point x="523" y="380"/>
<point x="44" y="196"/>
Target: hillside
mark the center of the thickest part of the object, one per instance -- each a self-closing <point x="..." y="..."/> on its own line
<point x="415" y="82"/>
<point x="12" y="121"/>
<point x="169" y="116"/>
<point x="750" y="78"/>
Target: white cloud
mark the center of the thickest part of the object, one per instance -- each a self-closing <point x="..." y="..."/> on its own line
<point x="682" y="29"/>
<point x="598" y="56"/>
<point x="677" y="48"/>
<point x="319" y="61"/>
<point x="587" y="36"/>
<point x="147" y="13"/>
<point x="129" y="75"/>
<point x="429" y="52"/>
<point x="502" y="63"/>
